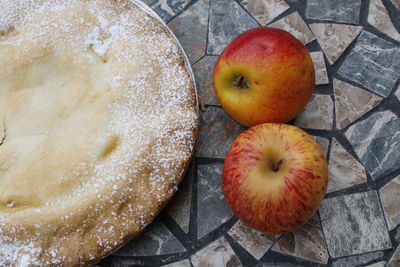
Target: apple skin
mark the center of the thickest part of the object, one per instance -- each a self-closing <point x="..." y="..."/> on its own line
<point x="270" y="201"/>
<point x="278" y="72"/>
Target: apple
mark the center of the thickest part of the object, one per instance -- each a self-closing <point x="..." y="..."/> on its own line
<point x="264" y="75"/>
<point x="274" y="177"/>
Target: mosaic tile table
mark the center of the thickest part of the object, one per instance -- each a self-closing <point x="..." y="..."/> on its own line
<point x="354" y="115"/>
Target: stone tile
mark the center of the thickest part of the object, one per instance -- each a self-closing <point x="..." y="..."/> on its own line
<point x="324" y="144"/>
<point x="179" y="206"/>
<point x="227" y="20"/>
<point x="203" y="73"/>
<point x="218" y="253"/>
<point x="376" y="140"/>
<point x="212" y="210"/>
<point x="191" y="29"/>
<point x="256" y="243"/>
<point x="321" y="75"/>
<point x="264" y="11"/>
<point x="397" y="93"/>
<point x="378" y="264"/>
<point x="395" y="259"/>
<point x="318" y="113"/>
<point x="294" y="24"/>
<point x="306" y="242"/>
<point x="334" y="38"/>
<point x="351" y="102"/>
<point x="216" y="134"/>
<point x="184" y="263"/>
<point x="155" y="240"/>
<point x="149" y="2"/>
<point x="347" y="11"/>
<point x="379" y="18"/>
<point x="373" y="63"/>
<point x="396" y="3"/>
<point x="344" y="170"/>
<point x="358" y="260"/>
<point x="167" y="9"/>
<point x="390" y="198"/>
<point x="354" y="224"/>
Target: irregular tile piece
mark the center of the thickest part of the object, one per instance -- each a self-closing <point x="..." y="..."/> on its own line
<point x="156" y="240"/>
<point x="344" y="170"/>
<point x="184" y="263"/>
<point x="396" y="3"/>
<point x="218" y="253"/>
<point x="307" y="242"/>
<point x="373" y="63"/>
<point x="149" y="2"/>
<point x="227" y="20"/>
<point x="358" y="260"/>
<point x="203" y="73"/>
<point x="264" y="11"/>
<point x="190" y="28"/>
<point x="347" y="11"/>
<point x="212" y="210"/>
<point x="318" y="114"/>
<point x="380" y="19"/>
<point x="395" y="260"/>
<point x="397" y="93"/>
<point x="334" y="38"/>
<point x="256" y="243"/>
<point x="378" y="264"/>
<point x="376" y="140"/>
<point x="390" y="198"/>
<point x="321" y="75"/>
<point x="216" y="134"/>
<point x="324" y="144"/>
<point x="295" y="25"/>
<point x="354" y="224"/>
<point x="167" y="9"/>
<point x="179" y="206"/>
<point x="352" y="102"/>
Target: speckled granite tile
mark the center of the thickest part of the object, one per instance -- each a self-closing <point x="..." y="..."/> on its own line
<point x="318" y="113"/>
<point x="179" y="206"/>
<point x="352" y="102"/>
<point x="306" y="242"/>
<point x="373" y="63"/>
<point x="390" y="198"/>
<point x="344" y="170"/>
<point x="323" y="142"/>
<point x="347" y="11"/>
<point x="256" y="243"/>
<point x="218" y="253"/>
<point x="358" y="260"/>
<point x="396" y="3"/>
<point x="212" y="210"/>
<point x="354" y="224"/>
<point x="294" y="24"/>
<point x="184" y="263"/>
<point x="264" y="11"/>
<point x="167" y="9"/>
<point x="395" y="259"/>
<point x="376" y="140"/>
<point x="377" y="264"/>
<point x="190" y="28"/>
<point x="203" y="73"/>
<point x="321" y="75"/>
<point x="227" y="20"/>
<point x="216" y="134"/>
<point x="155" y="240"/>
<point x="379" y="18"/>
<point x="334" y="38"/>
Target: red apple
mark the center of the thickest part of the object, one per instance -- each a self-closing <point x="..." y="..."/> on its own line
<point x="264" y="75"/>
<point x="274" y="177"/>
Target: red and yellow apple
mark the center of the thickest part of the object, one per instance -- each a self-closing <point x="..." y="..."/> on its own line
<point x="264" y="75"/>
<point x="274" y="177"/>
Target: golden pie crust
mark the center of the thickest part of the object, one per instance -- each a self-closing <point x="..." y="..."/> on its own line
<point x="98" y="118"/>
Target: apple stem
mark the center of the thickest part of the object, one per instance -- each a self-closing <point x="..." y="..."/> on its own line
<point x="276" y="165"/>
<point x="241" y="82"/>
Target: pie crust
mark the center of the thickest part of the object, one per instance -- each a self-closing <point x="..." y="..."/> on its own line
<point x="98" y="118"/>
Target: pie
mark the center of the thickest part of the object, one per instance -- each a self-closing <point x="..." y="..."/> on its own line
<point x="98" y="118"/>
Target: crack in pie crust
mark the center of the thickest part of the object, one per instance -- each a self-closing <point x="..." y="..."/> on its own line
<point x="98" y="118"/>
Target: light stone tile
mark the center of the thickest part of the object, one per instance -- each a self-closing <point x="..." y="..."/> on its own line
<point x="323" y="143"/>
<point x="334" y="39"/>
<point x="347" y="11"/>
<point x="397" y="93"/>
<point x="256" y="243"/>
<point x="390" y="198"/>
<point x="380" y="19"/>
<point x="203" y="73"/>
<point x="377" y="264"/>
<point x="351" y="102"/>
<point x="184" y="263"/>
<point x="321" y="75"/>
<point x="296" y="26"/>
<point x="395" y="259"/>
<point x="358" y="260"/>
<point x="344" y="170"/>
<point x="396" y="3"/>
<point x="264" y="11"/>
<point x="318" y="114"/>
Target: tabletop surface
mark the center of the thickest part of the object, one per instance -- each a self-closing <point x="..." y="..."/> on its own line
<point x="354" y="115"/>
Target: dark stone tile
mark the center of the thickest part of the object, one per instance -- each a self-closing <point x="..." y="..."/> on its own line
<point x="347" y="11"/>
<point x="203" y="73"/>
<point x="358" y="260"/>
<point x="373" y="63"/>
<point x="167" y="9"/>
<point x="191" y="29"/>
<point x="376" y="140"/>
<point x="149" y="2"/>
<point x="227" y="20"/>
<point x="212" y="209"/>
<point x="354" y="224"/>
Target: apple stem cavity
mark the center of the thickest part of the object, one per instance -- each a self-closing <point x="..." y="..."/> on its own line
<point x="240" y="82"/>
<point x="276" y="165"/>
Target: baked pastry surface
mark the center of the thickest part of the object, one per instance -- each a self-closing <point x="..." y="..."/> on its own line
<point x="98" y="117"/>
